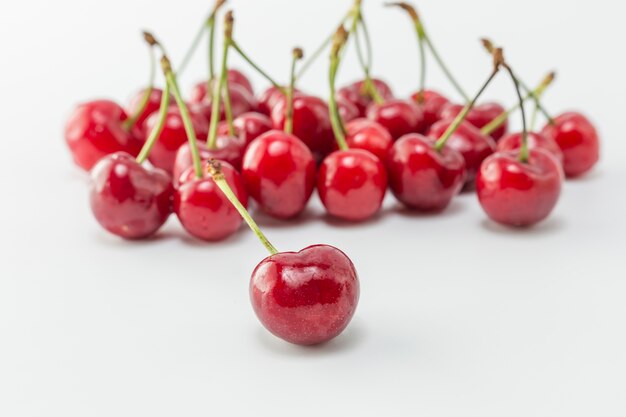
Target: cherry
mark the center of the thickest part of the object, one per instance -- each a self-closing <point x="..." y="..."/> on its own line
<point x="468" y="141"/>
<point x="127" y="199"/>
<point x="279" y="173"/>
<point x="423" y="178"/>
<point x="248" y="127"/>
<point x="432" y="104"/>
<point x="513" y="141"/>
<point x="238" y="77"/>
<point x="173" y="136"/>
<point x="370" y="136"/>
<point x="305" y="297"/>
<point x="203" y="210"/>
<point x="347" y="111"/>
<point x="228" y="149"/>
<point x="96" y="129"/>
<point x="242" y="101"/>
<point x="517" y="193"/>
<point x="270" y="97"/>
<point x="522" y="187"/>
<point x="578" y="140"/>
<point x="399" y="117"/>
<point x="480" y="116"/>
<point x="311" y="123"/>
<point x="357" y="94"/>
<point x="136" y="105"/>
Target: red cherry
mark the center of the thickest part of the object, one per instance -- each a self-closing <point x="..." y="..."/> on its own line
<point x="311" y="123"/>
<point x="173" y="136"/>
<point x="228" y="149"/>
<point x="432" y="106"/>
<point x="347" y="110"/>
<point x="270" y="97"/>
<point x="515" y="193"/>
<point x="127" y="199"/>
<point x="480" y="116"/>
<point x="468" y="141"/>
<point x="423" y="178"/>
<point x="578" y="139"/>
<point x="237" y="77"/>
<point x="513" y="142"/>
<point x="399" y="117"/>
<point x="152" y="106"/>
<point x="203" y="209"/>
<point x="356" y="94"/>
<point x="305" y="297"/>
<point x="369" y="135"/>
<point x="352" y="184"/>
<point x="248" y="126"/>
<point x="279" y="173"/>
<point x="242" y="101"/>
<point x="95" y="129"/>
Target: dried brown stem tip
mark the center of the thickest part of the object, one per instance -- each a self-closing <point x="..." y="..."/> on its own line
<point x="298" y="53"/>
<point x="549" y="79"/>
<point x="488" y="45"/>
<point x="339" y="40"/>
<point x="218" y="5"/>
<point x="166" y="64"/>
<point x="149" y="38"/>
<point x="498" y="59"/>
<point x="406" y="7"/>
<point x="229" y="21"/>
<point x="215" y="169"/>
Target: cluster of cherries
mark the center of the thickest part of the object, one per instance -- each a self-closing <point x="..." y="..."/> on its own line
<point x="209" y="154"/>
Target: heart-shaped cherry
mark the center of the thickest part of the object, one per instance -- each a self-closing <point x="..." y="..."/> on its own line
<point x="578" y="140"/>
<point x="513" y="142"/>
<point x="306" y="297"/>
<point x="519" y="188"/>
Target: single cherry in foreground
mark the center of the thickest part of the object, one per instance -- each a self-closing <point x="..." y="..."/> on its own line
<point x="127" y="199"/>
<point x="516" y="193"/>
<point x="578" y="140"/>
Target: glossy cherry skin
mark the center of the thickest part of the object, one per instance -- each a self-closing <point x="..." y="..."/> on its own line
<point x="127" y="199"/>
<point x="578" y="140"/>
<point x="355" y="93"/>
<point x="432" y="106"/>
<point x="469" y="142"/>
<point x="203" y="209"/>
<point x="513" y="142"/>
<point x="242" y="101"/>
<point x="269" y="98"/>
<point x="480" y="116"/>
<point x="173" y="136"/>
<point x="399" y="117"/>
<point x="422" y="178"/>
<point x="368" y="135"/>
<point x="228" y="149"/>
<point x="237" y="77"/>
<point x="352" y="184"/>
<point x="94" y="130"/>
<point x="306" y="297"/>
<point x="248" y="126"/>
<point x="279" y="173"/>
<point x="311" y="123"/>
<point x="152" y="106"/>
<point x="348" y="111"/>
<point x="519" y="194"/>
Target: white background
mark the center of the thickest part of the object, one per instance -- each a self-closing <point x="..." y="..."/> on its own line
<point x="458" y="316"/>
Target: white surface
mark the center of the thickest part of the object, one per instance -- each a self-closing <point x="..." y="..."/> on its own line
<point x="458" y="317"/>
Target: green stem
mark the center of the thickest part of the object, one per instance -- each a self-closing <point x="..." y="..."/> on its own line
<point x="218" y="88"/>
<point x="228" y="108"/>
<point x="184" y="112"/>
<point x="441" y="142"/>
<point x="537" y="99"/>
<point x="444" y="67"/>
<point x="340" y="39"/>
<point x="156" y="130"/>
<point x="132" y="121"/>
<point x="296" y="56"/>
<point x="194" y="46"/>
<point x="258" y="69"/>
<point x="369" y="86"/>
<point x="211" y="49"/>
<point x="523" y="155"/>
<point x="220" y="181"/>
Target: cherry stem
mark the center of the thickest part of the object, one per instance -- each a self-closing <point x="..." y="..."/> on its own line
<point x="208" y="23"/>
<point x="215" y="170"/>
<point x="132" y="121"/>
<point x="218" y="88"/>
<point x="419" y="30"/>
<point x="296" y="56"/>
<point x="228" y="108"/>
<point x="237" y="48"/>
<point x="538" y="91"/>
<point x="523" y="155"/>
<point x="340" y="39"/>
<point x="497" y="63"/>
<point x="156" y="130"/>
<point x="184" y="113"/>
<point x="305" y="66"/>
